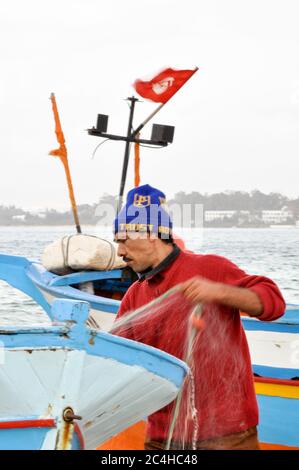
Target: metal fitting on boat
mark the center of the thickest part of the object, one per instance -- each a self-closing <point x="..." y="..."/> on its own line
<point x="69" y="416"/>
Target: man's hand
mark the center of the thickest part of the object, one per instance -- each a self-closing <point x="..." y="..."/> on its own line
<point x="201" y="290"/>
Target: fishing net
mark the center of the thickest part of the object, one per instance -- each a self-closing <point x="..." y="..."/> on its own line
<point x="199" y="336"/>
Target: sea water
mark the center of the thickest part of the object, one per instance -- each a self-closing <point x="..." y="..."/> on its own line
<point x="269" y="252"/>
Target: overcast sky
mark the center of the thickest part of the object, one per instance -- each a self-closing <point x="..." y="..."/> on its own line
<point x="236" y="120"/>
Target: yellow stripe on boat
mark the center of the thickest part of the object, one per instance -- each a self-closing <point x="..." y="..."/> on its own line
<point x="277" y="390"/>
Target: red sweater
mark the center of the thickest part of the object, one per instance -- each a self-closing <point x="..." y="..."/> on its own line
<point x="224" y="391"/>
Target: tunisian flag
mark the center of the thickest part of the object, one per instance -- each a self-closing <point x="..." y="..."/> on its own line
<point x="162" y="87"/>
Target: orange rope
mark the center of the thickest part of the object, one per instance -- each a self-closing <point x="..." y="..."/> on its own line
<point x="61" y="152"/>
<point x="137" y="162"/>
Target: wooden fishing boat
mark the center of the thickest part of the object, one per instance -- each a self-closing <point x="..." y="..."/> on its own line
<point x="273" y="345"/>
<point x="66" y="386"/>
<point x="44" y="287"/>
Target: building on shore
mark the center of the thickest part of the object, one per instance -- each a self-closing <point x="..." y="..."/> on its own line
<point x="210" y="216"/>
<point x="277" y="217"/>
<point x="253" y="218"/>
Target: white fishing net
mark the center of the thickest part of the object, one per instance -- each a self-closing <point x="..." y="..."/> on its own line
<point x="213" y="353"/>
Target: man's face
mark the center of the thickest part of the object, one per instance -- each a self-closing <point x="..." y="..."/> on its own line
<point x="137" y="250"/>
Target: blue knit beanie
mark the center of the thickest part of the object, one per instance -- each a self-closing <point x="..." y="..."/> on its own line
<point x="145" y="211"/>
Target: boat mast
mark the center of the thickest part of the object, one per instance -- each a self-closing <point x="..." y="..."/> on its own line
<point x="161" y="136"/>
<point x="61" y="153"/>
<point x="132" y="100"/>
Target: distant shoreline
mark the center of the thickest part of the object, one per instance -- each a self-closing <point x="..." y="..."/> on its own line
<point x="68" y="226"/>
<point x="227" y="209"/>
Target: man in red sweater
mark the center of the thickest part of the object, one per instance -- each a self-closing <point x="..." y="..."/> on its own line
<point x="225" y="401"/>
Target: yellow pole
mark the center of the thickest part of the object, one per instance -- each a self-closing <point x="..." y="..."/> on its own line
<point x="137" y="162"/>
<point x="61" y="152"/>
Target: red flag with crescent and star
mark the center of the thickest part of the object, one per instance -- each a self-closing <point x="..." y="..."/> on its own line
<point x="162" y="87"/>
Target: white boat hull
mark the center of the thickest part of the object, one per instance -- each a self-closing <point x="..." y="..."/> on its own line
<point x="108" y="381"/>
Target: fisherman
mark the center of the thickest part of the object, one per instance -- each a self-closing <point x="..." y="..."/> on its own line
<point x="225" y="400"/>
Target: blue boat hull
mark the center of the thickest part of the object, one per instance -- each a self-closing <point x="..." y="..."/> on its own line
<point x="278" y="402"/>
<point x="108" y="381"/>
